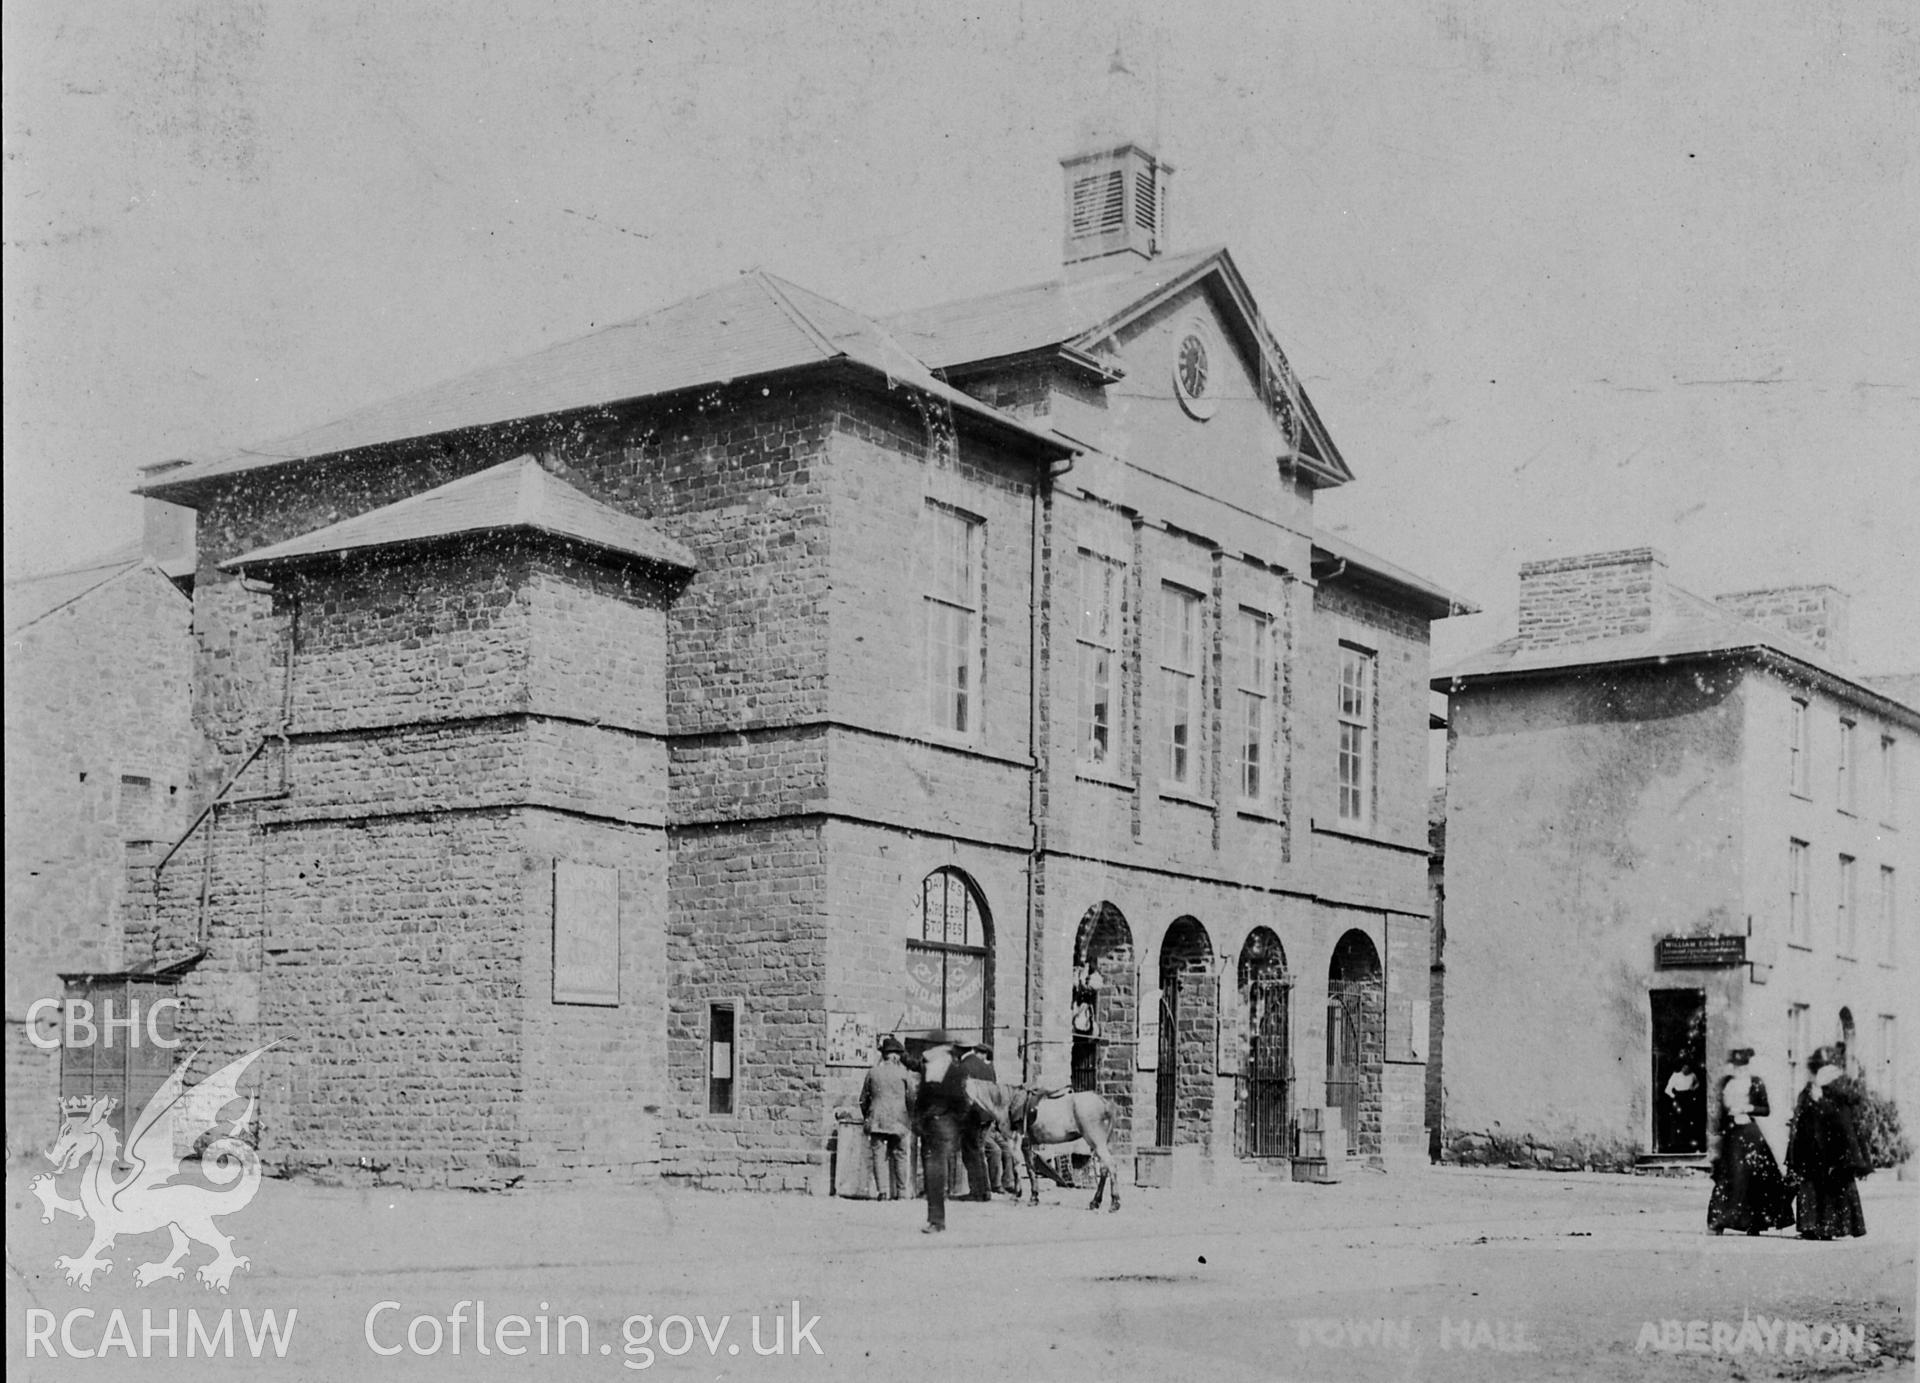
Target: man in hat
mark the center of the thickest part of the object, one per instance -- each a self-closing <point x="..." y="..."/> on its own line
<point x="885" y="1101"/>
<point x="944" y="1110"/>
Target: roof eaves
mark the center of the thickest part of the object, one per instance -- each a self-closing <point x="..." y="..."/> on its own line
<point x="1097" y="370"/>
<point x="1207" y="261"/>
<point x="1760" y="650"/>
<point x="672" y="558"/>
<point x="1364" y="568"/>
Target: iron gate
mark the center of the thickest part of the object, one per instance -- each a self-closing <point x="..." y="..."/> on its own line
<point x="1269" y="1071"/>
<point x="1167" y="1077"/>
<point x="1345" y="1005"/>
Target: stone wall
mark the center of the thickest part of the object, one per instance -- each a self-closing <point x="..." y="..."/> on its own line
<point x="747" y="926"/>
<point x="379" y="885"/>
<point x="1815" y="615"/>
<point x="1600" y="595"/>
<point x="798" y="788"/>
<point x="98" y="753"/>
<point x="1187" y="966"/>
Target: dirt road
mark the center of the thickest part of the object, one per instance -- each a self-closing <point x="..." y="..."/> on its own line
<point x="1444" y="1275"/>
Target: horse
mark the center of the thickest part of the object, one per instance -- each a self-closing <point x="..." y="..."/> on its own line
<point x="1051" y="1117"/>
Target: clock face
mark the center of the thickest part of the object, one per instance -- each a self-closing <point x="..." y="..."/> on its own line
<point x="1193" y="367"/>
<point x="1193" y="372"/>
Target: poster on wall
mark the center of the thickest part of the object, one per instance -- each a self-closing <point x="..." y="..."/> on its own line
<point x="1147" y="1052"/>
<point x="586" y="934"/>
<point x="850" y="1039"/>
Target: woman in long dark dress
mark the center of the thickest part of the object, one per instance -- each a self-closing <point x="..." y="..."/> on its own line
<point x="1749" y="1194"/>
<point x="1824" y="1152"/>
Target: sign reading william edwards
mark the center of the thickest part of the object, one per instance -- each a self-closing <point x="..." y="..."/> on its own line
<point x="1698" y="952"/>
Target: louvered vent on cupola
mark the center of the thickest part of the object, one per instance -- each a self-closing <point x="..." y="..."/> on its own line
<point x="1116" y="204"/>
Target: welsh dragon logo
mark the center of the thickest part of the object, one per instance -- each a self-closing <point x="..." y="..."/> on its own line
<point x="141" y="1200"/>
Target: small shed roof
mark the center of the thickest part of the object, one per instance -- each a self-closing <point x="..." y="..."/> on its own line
<point x="516" y="495"/>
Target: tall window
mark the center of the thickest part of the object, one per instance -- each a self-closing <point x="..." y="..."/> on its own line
<point x="1797" y="747"/>
<point x="1356" y="735"/>
<point x="1843" y="769"/>
<point x="1180" y="678"/>
<point x="1889" y="920"/>
<point x="947" y="968"/>
<point x="1889" y="784"/>
<point x="1845" y="914"/>
<point x="1102" y="661"/>
<point x="953" y="612"/>
<point x="1799" y="932"/>
<point x="1799" y="1039"/>
<point x="722" y="1058"/>
<point x="1887" y="1076"/>
<point x="1255" y="677"/>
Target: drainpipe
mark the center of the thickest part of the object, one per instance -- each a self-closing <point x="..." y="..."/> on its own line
<point x="1036" y="635"/>
<point x="1038" y="663"/>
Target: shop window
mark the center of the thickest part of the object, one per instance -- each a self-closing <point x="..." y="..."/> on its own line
<point x="949" y="966"/>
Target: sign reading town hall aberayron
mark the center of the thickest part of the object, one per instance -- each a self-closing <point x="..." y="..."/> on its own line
<point x="1698" y="952"/>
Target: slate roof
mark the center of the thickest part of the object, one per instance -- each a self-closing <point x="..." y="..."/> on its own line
<point x="1687" y="627"/>
<point x="32" y="598"/>
<point x="1018" y="320"/>
<point x="756" y="325"/>
<point x="1436" y="601"/>
<point x="516" y="495"/>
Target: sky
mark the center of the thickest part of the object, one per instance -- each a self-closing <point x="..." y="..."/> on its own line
<point x="1559" y="277"/>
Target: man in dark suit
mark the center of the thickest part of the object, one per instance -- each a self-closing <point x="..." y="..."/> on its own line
<point x="944" y="1112"/>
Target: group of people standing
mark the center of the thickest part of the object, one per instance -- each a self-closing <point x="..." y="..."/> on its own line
<point x="928" y="1095"/>
<point x="1819" y="1192"/>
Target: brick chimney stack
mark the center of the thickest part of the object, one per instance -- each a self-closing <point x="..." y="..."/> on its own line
<point x="1815" y="615"/>
<point x="1602" y="595"/>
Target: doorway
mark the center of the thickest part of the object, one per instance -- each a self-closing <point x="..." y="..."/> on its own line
<point x="1183" y="1078"/>
<point x="1265" y="994"/>
<point x="1679" y="1071"/>
<point x="1356" y="1040"/>
<point x="1105" y="1015"/>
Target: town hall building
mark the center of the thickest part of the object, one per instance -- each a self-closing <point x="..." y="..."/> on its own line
<point x="601" y="751"/>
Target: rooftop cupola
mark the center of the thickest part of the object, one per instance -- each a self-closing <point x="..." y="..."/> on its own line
<point x="1116" y="204"/>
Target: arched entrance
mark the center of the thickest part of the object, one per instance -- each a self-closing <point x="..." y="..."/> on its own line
<point x="1106" y="1014"/>
<point x="1265" y="1088"/>
<point x="1183" y="1076"/>
<point x="1356" y="1038"/>
<point x="950" y="965"/>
